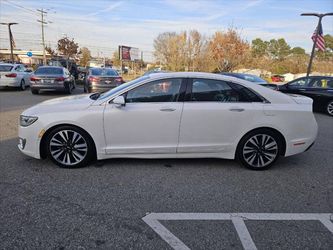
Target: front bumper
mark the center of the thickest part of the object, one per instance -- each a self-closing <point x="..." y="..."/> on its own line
<point x="29" y="140"/>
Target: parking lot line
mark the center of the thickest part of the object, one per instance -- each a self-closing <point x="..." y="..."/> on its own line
<point x="237" y="219"/>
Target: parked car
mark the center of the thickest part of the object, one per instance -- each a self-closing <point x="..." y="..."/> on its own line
<point x="14" y="75"/>
<point x="52" y="78"/>
<point x="319" y="88"/>
<point x="251" y="78"/>
<point x="101" y="80"/>
<point x="171" y="115"/>
<point x="277" y="78"/>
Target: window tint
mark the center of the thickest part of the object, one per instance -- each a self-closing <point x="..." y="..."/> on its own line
<point x="322" y="83"/>
<point x="205" y="90"/>
<point x="49" y="71"/>
<point x="166" y="90"/>
<point x="4" y="68"/>
<point x="247" y="94"/>
<point x="103" y="72"/>
<point x="300" y="83"/>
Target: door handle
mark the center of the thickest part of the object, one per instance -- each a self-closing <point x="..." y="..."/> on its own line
<point x="167" y="109"/>
<point x="236" y="109"/>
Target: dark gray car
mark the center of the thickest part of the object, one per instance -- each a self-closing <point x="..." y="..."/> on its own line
<point x="101" y="80"/>
<point x="52" y="78"/>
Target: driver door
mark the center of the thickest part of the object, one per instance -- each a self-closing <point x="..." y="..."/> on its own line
<point x="149" y="121"/>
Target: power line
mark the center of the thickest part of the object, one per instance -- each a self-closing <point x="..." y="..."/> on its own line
<point x="21" y="7"/>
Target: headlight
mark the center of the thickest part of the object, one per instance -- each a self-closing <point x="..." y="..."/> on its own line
<point x="25" y="121"/>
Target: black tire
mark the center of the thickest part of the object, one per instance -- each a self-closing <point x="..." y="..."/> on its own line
<point x="34" y="91"/>
<point x="69" y="147"/>
<point x="259" y="149"/>
<point x="22" y="85"/>
<point x="68" y="88"/>
<point x="329" y="108"/>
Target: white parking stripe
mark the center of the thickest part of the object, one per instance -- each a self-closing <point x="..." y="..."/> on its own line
<point x="243" y="234"/>
<point x="237" y="219"/>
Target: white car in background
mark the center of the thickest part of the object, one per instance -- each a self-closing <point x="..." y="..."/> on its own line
<point x="14" y="75"/>
<point x="171" y="115"/>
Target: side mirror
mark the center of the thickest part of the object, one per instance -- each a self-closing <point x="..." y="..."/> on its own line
<point x="119" y="101"/>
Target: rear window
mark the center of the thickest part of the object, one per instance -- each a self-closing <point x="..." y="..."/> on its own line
<point x="104" y="72"/>
<point x="252" y="78"/>
<point x="49" y="71"/>
<point x="4" y="68"/>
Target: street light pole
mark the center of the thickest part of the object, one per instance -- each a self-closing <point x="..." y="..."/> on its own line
<point x="42" y="12"/>
<point x="10" y="40"/>
<point x="320" y="16"/>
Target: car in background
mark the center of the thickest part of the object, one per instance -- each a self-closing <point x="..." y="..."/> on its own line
<point x="277" y="78"/>
<point x="171" y="115"/>
<point x="101" y="80"/>
<point x="14" y="75"/>
<point x="319" y="88"/>
<point x="156" y="70"/>
<point x="251" y="78"/>
<point x="52" y="78"/>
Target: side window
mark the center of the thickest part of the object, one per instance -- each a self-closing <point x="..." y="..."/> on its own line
<point x="322" y="83"/>
<point x="206" y="90"/>
<point x="301" y="83"/>
<point x="19" y="68"/>
<point x="166" y="90"/>
<point x="247" y="94"/>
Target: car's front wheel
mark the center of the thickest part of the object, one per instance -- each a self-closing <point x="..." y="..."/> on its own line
<point x="69" y="147"/>
<point x="259" y="149"/>
<point x="329" y="108"/>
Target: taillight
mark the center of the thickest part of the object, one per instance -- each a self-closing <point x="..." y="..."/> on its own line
<point x="119" y="79"/>
<point x="93" y="79"/>
<point x="60" y="79"/>
<point x="11" y="75"/>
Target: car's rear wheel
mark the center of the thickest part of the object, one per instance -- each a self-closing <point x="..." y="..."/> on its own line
<point x="68" y="88"/>
<point x="22" y="85"/>
<point x="259" y="149"/>
<point x="69" y="147"/>
<point x="329" y="108"/>
<point x="34" y="91"/>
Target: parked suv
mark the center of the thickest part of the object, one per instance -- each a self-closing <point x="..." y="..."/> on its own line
<point x="52" y="78"/>
<point x="319" y="88"/>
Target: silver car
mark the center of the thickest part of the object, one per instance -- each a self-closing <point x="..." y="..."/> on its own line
<point x="14" y="75"/>
<point x="52" y="78"/>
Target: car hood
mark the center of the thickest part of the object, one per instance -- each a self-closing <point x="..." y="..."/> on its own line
<point x="63" y="104"/>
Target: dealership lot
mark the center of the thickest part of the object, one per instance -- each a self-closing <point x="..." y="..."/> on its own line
<point x="102" y="206"/>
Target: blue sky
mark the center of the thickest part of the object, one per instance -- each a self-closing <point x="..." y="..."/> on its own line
<point x="103" y="25"/>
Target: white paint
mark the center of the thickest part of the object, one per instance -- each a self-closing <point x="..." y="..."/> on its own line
<point x="243" y="234"/>
<point x="237" y="219"/>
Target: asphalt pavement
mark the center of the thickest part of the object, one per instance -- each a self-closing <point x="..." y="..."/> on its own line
<point x="102" y="206"/>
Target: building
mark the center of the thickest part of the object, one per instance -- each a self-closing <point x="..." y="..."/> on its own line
<point x="21" y="56"/>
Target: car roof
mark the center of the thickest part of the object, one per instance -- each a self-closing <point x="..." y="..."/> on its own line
<point x="56" y="67"/>
<point x="11" y="64"/>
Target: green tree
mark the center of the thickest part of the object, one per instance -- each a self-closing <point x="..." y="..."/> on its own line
<point x="297" y="51"/>
<point x="259" y="47"/>
<point x="278" y="49"/>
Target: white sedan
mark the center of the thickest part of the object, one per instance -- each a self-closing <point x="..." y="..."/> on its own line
<point x="14" y="75"/>
<point x="171" y="115"/>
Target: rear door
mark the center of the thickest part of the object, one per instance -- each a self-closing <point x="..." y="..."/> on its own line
<point x="215" y="113"/>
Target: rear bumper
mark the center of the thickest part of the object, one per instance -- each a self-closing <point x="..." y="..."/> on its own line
<point x="5" y="82"/>
<point x="48" y="86"/>
<point x="101" y="87"/>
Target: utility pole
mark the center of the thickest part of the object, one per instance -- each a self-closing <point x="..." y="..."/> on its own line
<point x="11" y="40"/>
<point x="42" y="21"/>
<point x="320" y="16"/>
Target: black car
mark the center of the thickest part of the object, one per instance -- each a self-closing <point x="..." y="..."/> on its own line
<point x="251" y="78"/>
<point x="319" y="88"/>
<point x="51" y="78"/>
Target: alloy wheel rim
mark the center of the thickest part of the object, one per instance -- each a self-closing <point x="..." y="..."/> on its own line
<point x="68" y="147"/>
<point x="260" y="150"/>
<point x="330" y="108"/>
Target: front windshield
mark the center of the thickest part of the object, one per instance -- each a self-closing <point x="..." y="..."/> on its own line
<point x="121" y="87"/>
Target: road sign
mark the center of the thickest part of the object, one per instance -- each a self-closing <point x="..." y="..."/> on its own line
<point x="29" y="53"/>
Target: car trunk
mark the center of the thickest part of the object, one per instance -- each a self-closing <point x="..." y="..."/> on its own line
<point x="46" y="79"/>
<point x="110" y="81"/>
